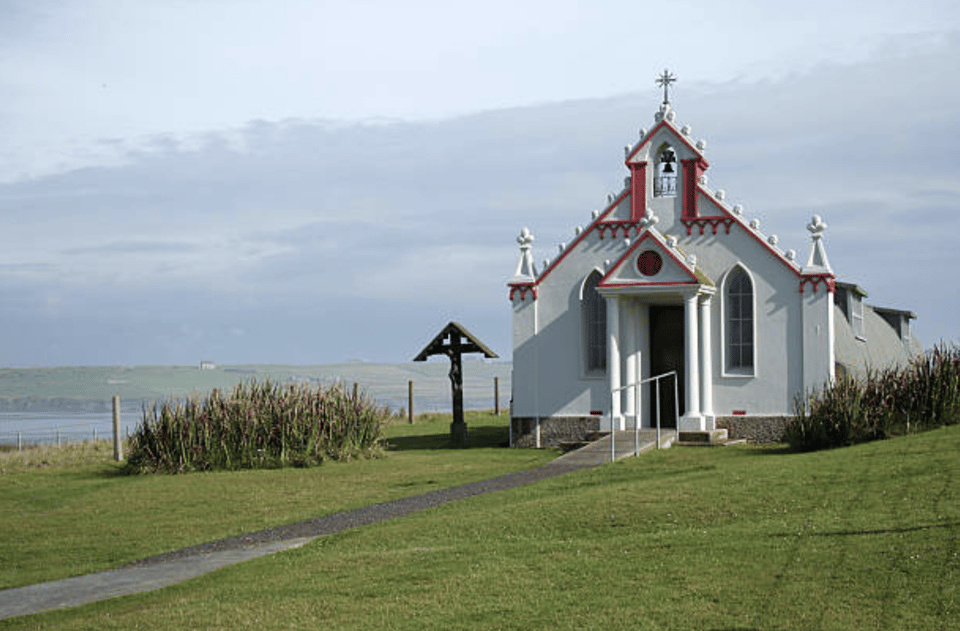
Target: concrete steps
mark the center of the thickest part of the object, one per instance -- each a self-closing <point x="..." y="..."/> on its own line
<point x="598" y="451"/>
<point x="712" y="438"/>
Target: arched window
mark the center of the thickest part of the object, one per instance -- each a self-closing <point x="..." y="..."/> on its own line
<point x="665" y="176"/>
<point x="738" y="307"/>
<point x="594" y="314"/>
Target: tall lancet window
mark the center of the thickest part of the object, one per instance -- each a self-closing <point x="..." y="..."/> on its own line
<point x="594" y="315"/>
<point x="738" y="295"/>
<point x="665" y="177"/>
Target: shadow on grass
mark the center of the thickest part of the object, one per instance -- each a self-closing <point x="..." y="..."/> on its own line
<point x="880" y="531"/>
<point x="766" y="449"/>
<point x="483" y="436"/>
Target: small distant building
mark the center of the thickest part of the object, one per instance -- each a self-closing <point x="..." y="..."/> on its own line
<point x="206" y="364"/>
<point x="670" y="277"/>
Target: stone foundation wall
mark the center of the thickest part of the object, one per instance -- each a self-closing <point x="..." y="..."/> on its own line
<point x="553" y="431"/>
<point x="755" y="429"/>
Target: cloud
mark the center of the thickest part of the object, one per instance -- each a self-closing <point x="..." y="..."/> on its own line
<point x="319" y="240"/>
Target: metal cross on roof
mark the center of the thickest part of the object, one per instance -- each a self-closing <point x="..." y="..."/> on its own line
<point x="665" y="80"/>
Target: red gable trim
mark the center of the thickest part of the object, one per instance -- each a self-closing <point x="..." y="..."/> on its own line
<point x="674" y="133"/>
<point x="583" y="235"/>
<point x="659" y="246"/>
<point x="726" y="216"/>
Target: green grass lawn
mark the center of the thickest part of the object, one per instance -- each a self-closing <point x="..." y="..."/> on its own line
<point x="742" y="537"/>
<point x="76" y="514"/>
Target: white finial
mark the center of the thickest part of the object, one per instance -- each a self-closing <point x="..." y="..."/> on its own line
<point x="526" y="271"/>
<point x="562" y="246"/>
<point x="609" y="198"/>
<point x="692" y="260"/>
<point x="595" y="214"/>
<point x="671" y="116"/>
<point x="738" y="209"/>
<point x="817" y="262"/>
<point x="525" y="238"/>
<point x="606" y="264"/>
<point x="720" y="194"/>
<point x="755" y="224"/>
<point x="701" y="144"/>
<point x="703" y="180"/>
<point x="671" y="241"/>
<point x="626" y="151"/>
<point x="816" y="226"/>
<point x="643" y="132"/>
<point x="578" y="230"/>
<point x="686" y="130"/>
<point x="546" y="263"/>
<point x="626" y="242"/>
<point x="791" y="255"/>
<point x="772" y="239"/>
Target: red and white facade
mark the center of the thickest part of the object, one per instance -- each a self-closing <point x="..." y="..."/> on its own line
<point x="669" y="276"/>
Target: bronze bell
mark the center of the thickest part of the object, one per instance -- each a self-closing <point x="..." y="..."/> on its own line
<point x="668" y="160"/>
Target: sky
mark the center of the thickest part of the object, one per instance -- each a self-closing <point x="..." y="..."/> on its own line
<point x="309" y="182"/>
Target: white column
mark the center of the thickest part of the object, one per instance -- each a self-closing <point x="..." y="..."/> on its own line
<point x="613" y="357"/>
<point x="643" y="353"/>
<point x="706" y="363"/>
<point x="691" y="342"/>
<point x="630" y="346"/>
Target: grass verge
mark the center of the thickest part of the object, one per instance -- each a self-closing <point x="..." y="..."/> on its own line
<point x="743" y="537"/>
<point x="69" y="511"/>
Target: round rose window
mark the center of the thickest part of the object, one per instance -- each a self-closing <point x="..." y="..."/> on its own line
<point x="649" y="263"/>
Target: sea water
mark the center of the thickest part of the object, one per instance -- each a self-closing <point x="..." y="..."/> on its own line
<point x="47" y="427"/>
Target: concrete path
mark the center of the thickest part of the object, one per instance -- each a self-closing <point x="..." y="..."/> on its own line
<point x="174" y="567"/>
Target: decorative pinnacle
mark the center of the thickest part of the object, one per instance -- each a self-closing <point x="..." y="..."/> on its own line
<point x="665" y="80"/>
<point x="525" y="239"/>
<point x="817" y="226"/>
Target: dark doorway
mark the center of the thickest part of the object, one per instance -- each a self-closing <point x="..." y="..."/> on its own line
<point x="666" y="354"/>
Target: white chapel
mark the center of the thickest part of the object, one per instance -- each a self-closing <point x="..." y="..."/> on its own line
<point x="670" y="278"/>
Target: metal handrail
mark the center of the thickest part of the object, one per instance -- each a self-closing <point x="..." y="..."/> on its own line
<point x="636" y="410"/>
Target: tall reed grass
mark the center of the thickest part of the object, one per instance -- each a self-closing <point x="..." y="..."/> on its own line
<point x="922" y="396"/>
<point x="258" y="425"/>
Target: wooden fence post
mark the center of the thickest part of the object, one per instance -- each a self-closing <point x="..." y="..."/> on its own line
<point x="496" y="396"/>
<point x="355" y="390"/>
<point x="410" y="400"/>
<point x="117" y="445"/>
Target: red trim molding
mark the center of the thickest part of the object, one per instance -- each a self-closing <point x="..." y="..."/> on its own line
<point x="703" y="222"/>
<point x="638" y="191"/>
<point x="636" y="246"/>
<point x="693" y="168"/>
<point x="673" y="132"/>
<point x="815" y="279"/>
<point x="613" y="226"/>
<point x="523" y="288"/>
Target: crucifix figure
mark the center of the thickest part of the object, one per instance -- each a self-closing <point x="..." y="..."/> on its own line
<point x="665" y="80"/>
<point x="453" y="341"/>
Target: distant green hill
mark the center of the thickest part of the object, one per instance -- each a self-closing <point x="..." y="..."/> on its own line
<point x="92" y="388"/>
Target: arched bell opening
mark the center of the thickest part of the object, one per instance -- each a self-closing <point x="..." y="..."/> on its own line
<point x="665" y="176"/>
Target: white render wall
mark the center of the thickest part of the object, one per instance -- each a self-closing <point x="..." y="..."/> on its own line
<point x="550" y="379"/>
<point x="566" y="390"/>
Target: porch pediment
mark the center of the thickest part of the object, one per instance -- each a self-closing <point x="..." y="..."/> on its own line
<point x="652" y="262"/>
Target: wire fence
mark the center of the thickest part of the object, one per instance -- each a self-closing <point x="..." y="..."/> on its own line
<point x="18" y="429"/>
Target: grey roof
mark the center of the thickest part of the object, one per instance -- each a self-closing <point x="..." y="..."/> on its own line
<point x="881" y="349"/>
